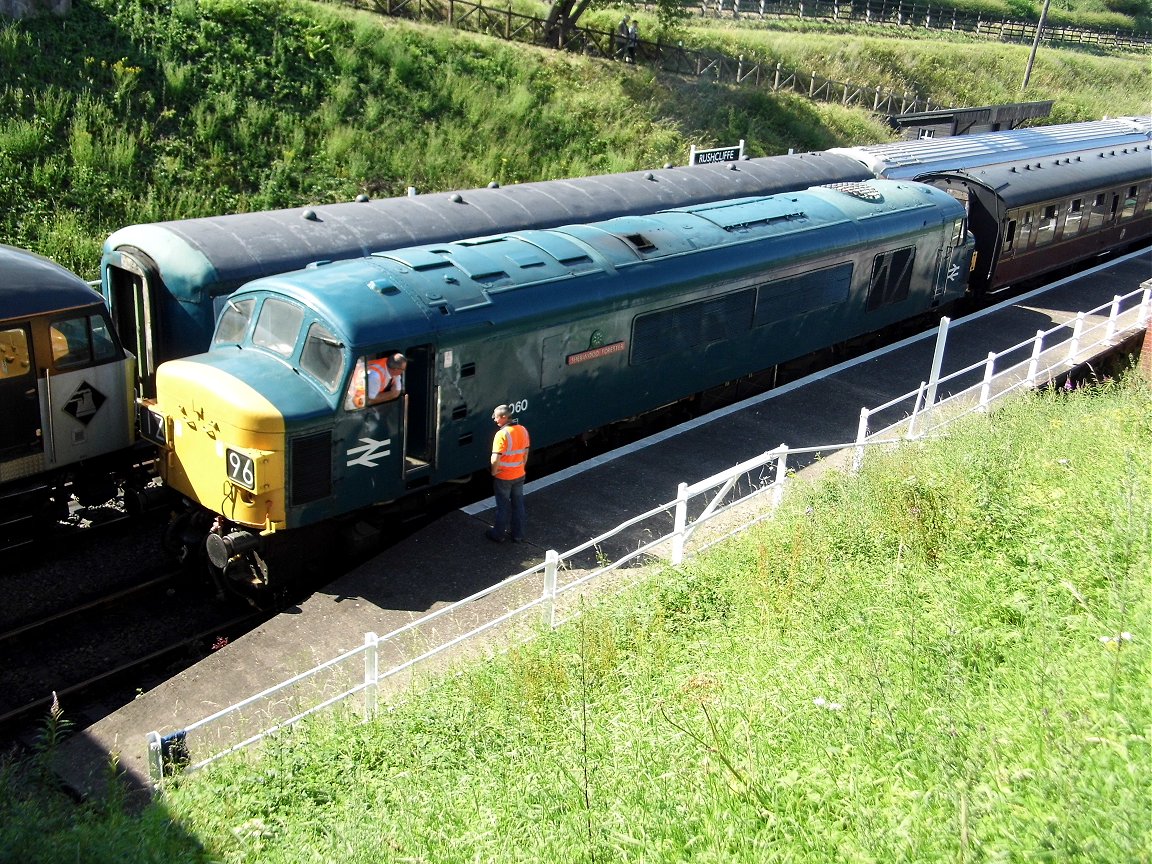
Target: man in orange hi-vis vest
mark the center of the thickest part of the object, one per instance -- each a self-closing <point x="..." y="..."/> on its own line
<point x="509" y="458"/>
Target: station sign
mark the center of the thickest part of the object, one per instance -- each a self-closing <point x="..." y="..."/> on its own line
<point x="716" y="154"/>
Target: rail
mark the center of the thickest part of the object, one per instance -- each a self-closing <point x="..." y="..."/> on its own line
<point x="550" y="593"/>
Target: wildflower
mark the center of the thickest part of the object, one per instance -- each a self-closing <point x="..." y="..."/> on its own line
<point x="1116" y="640"/>
<point x="821" y="702"/>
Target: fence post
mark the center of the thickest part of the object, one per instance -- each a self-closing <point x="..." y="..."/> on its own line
<point x="1077" y="332"/>
<point x="911" y="433"/>
<point x="861" y="435"/>
<point x="680" y="524"/>
<point x="781" y="473"/>
<point x="371" y="673"/>
<point x="776" y="81"/>
<point x="1034" y="364"/>
<point x="1113" y="315"/>
<point x="155" y="759"/>
<point x="548" y="607"/>
<point x="986" y="387"/>
<point x="937" y="362"/>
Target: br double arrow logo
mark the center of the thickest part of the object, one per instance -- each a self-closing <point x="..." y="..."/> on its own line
<point x="369" y="452"/>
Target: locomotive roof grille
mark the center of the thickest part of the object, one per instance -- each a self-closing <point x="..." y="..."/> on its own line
<point x="857" y="190"/>
<point x="642" y="243"/>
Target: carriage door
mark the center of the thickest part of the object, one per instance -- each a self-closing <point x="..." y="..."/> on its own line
<point x="130" y="298"/>
<point x="20" y="419"/>
<point x="421" y="414"/>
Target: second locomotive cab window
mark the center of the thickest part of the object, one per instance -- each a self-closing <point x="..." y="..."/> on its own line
<point x="278" y="326"/>
<point x="891" y="278"/>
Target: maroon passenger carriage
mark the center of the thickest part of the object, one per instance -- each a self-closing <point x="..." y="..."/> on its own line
<point x="1032" y="217"/>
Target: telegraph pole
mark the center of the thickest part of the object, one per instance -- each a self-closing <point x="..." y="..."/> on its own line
<point x="1035" y="45"/>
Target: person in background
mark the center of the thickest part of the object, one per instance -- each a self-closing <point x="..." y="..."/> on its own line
<point x="633" y="41"/>
<point x="621" y="39"/>
<point x="386" y="378"/>
<point x="509" y="459"/>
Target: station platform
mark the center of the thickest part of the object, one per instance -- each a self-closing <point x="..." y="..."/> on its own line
<point x="451" y="559"/>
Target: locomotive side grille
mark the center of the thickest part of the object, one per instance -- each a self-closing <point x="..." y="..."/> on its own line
<point x="674" y="332"/>
<point x="311" y="468"/>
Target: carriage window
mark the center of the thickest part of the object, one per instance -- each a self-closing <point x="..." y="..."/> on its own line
<point x="1074" y="222"/>
<point x="1096" y="212"/>
<point x="891" y="278"/>
<point x="277" y="326"/>
<point x="1010" y="236"/>
<point x="14" y="358"/>
<point x="1046" y="230"/>
<point x="233" y="323"/>
<point x="1129" y="204"/>
<point x="323" y="357"/>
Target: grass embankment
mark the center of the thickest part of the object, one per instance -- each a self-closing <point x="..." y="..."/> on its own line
<point x="143" y="111"/>
<point x="148" y="110"/>
<point x="945" y="658"/>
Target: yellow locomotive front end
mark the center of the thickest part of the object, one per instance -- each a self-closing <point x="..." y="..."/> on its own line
<point x="223" y="443"/>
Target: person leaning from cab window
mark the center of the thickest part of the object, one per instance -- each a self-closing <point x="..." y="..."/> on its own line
<point x="386" y="377"/>
<point x="509" y="459"/>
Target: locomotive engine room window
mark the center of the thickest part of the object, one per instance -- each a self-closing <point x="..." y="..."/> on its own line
<point x="1046" y="230"/>
<point x="1129" y="204"/>
<point x="1075" y="219"/>
<point x="234" y="320"/>
<point x="891" y="278"/>
<point x="14" y="358"/>
<point x="278" y="326"/>
<point x="675" y="332"/>
<point x="322" y="357"/>
<point x="81" y="341"/>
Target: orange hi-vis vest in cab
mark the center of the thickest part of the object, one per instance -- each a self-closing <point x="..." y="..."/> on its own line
<point x="511" y="445"/>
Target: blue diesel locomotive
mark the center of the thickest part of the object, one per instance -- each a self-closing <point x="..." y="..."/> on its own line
<point x="166" y="282"/>
<point x="274" y="429"/>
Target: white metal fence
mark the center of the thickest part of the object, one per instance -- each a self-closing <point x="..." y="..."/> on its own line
<point x="549" y="593"/>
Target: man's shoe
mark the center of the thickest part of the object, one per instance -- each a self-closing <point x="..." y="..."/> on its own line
<point x="493" y="537"/>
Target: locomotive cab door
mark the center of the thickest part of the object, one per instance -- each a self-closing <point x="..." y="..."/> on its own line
<point x="420" y="414"/>
<point x="20" y="430"/>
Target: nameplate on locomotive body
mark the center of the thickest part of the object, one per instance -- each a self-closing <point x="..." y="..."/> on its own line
<point x="595" y="353"/>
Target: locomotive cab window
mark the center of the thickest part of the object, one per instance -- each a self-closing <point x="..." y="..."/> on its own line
<point x="373" y="382"/>
<point x="14" y="357"/>
<point x="82" y="341"/>
<point x="234" y="321"/>
<point x="322" y="356"/>
<point x="277" y="326"/>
